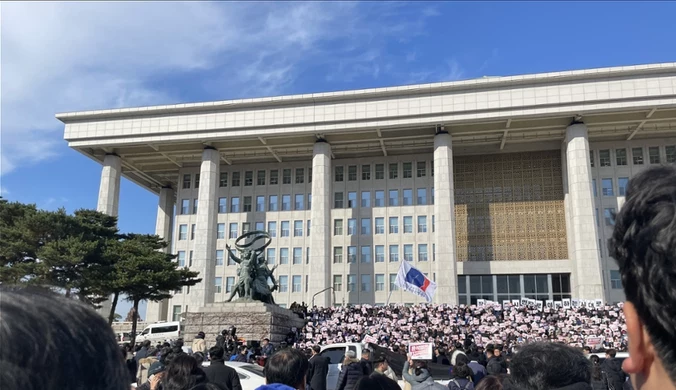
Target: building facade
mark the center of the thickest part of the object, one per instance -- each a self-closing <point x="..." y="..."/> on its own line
<point x="496" y="188"/>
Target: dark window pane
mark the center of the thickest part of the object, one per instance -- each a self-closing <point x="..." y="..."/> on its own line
<point x="475" y="284"/>
<point x="462" y="299"/>
<point x="502" y="298"/>
<point x="565" y="284"/>
<point x="502" y="284"/>
<point x="541" y="281"/>
<point x="462" y="284"/>
<point x="556" y="283"/>
<point x="487" y="284"/>
<point x="529" y="284"/>
<point x="487" y="297"/>
<point x="473" y="299"/>
<point x="514" y="284"/>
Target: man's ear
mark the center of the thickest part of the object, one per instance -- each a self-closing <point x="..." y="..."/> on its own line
<point x="641" y="351"/>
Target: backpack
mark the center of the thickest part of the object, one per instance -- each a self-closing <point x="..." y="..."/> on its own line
<point x="458" y="384"/>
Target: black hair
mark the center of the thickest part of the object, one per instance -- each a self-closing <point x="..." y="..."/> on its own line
<point x="199" y="358"/>
<point x="596" y="367"/>
<point x="611" y="352"/>
<point x="206" y="386"/>
<point x="52" y="341"/>
<point x="376" y="382"/>
<point x="644" y="245"/>
<point x="216" y="352"/>
<point x="180" y="373"/>
<point x="546" y="365"/>
<point x="316" y="348"/>
<point x="490" y="382"/>
<point x="288" y="367"/>
<point x="146" y="344"/>
<point x="461" y="370"/>
<point x="365" y="352"/>
<point x="419" y="366"/>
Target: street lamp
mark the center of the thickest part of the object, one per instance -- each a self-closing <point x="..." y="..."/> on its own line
<point x="313" y="297"/>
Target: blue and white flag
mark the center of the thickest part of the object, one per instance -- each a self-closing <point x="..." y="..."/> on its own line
<point x="411" y="279"/>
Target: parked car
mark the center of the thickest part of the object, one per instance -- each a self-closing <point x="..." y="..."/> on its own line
<point x="250" y="375"/>
<point x="161" y="331"/>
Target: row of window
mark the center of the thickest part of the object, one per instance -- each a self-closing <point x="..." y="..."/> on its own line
<point x="608" y="187"/>
<point x="393" y="254"/>
<point x="271" y="257"/>
<point x="507" y="287"/>
<point x="393" y="226"/>
<point x="379" y="198"/>
<point x="608" y="216"/>
<point x="262" y="177"/>
<point x="298" y="175"/>
<point x="366" y="280"/>
<point x="379" y="171"/>
<point x="299" y="203"/>
<point x="233" y="231"/>
<point x="637" y="157"/>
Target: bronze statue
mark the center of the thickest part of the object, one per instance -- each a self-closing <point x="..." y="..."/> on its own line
<point x="253" y="273"/>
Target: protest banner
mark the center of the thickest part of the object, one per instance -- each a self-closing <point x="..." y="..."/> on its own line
<point x="420" y="351"/>
<point x="566" y="303"/>
<point x="370" y="339"/>
<point x="480" y="303"/>
<point x="594" y="341"/>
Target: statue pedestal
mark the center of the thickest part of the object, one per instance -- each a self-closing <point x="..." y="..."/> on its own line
<point x="254" y="321"/>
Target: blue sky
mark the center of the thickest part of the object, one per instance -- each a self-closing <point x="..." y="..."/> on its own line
<point x="59" y="57"/>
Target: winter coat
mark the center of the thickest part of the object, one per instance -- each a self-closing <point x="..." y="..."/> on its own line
<point x="599" y="384"/>
<point x="429" y="384"/>
<point x="478" y="371"/>
<point x="460" y="384"/>
<point x="496" y="366"/>
<point x="350" y="374"/>
<point x="198" y="345"/>
<point x="614" y="373"/>
<point x="412" y="378"/>
<point x="222" y="375"/>
<point x="316" y="375"/>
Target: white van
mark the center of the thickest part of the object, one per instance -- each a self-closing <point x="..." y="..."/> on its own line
<point x="161" y="331"/>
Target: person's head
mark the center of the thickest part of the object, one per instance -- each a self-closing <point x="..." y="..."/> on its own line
<point x="288" y="367"/>
<point x="180" y="373"/>
<point x="265" y="342"/>
<point x="419" y="366"/>
<point x="546" y="365"/>
<point x="316" y="349"/>
<point x="243" y="350"/>
<point x="490" y="382"/>
<point x="462" y="370"/>
<point x="365" y="354"/>
<point x="462" y="359"/>
<point x="496" y="352"/>
<point x="200" y="335"/>
<point x="611" y="353"/>
<point x="644" y="245"/>
<point x="53" y="340"/>
<point x="146" y="344"/>
<point x="376" y="382"/>
<point x="380" y="364"/>
<point x="586" y="351"/>
<point x="596" y="367"/>
<point x="350" y="357"/>
<point x="489" y="353"/>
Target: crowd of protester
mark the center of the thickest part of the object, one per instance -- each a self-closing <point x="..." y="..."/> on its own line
<point x="51" y="342"/>
<point x="395" y="326"/>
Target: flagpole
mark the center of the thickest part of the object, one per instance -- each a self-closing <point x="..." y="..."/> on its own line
<point x="388" y="298"/>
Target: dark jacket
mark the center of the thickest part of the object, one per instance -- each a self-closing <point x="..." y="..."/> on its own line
<point x="599" y="384"/>
<point x="478" y="371"/>
<point x="366" y="366"/>
<point x="614" y="373"/>
<point x="460" y="384"/>
<point x="222" y="375"/>
<point x="141" y="354"/>
<point x="241" y="358"/>
<point x="349" y="376"/>
<point x="317" y="372"/>
<point x="441" y="359"/>
<point x="268" y="350"/>
<point x="496" y="366"/>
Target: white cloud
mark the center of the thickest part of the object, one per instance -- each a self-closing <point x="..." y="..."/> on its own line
<point x="71" y="56"/>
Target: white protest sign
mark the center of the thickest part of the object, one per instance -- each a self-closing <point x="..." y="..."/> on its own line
<point x="420" y="351"/>
<point x="598" y="303"/>
<point x="370" y="339"/>
<point x="566" y="303"/>
<point x="550" y="304"/>
<point x="558" y="304"/>
<point x="515" y="302"/>
<point x="594" y="341"/>
<point x="505" y="304"/>
<point x="480" y="302"/>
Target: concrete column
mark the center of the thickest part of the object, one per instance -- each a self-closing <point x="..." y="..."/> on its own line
<point x="109" y="201"/>
<point x="204" y="253"/>
<point x="444" y="211"/>
<point x="109" y="190"/>
<point x="320" y="237"/>
<point x="587" y="280"/>
<point x="158" y="311"/>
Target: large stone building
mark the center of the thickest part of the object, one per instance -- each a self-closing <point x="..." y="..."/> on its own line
<point x="496" y="188"/>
